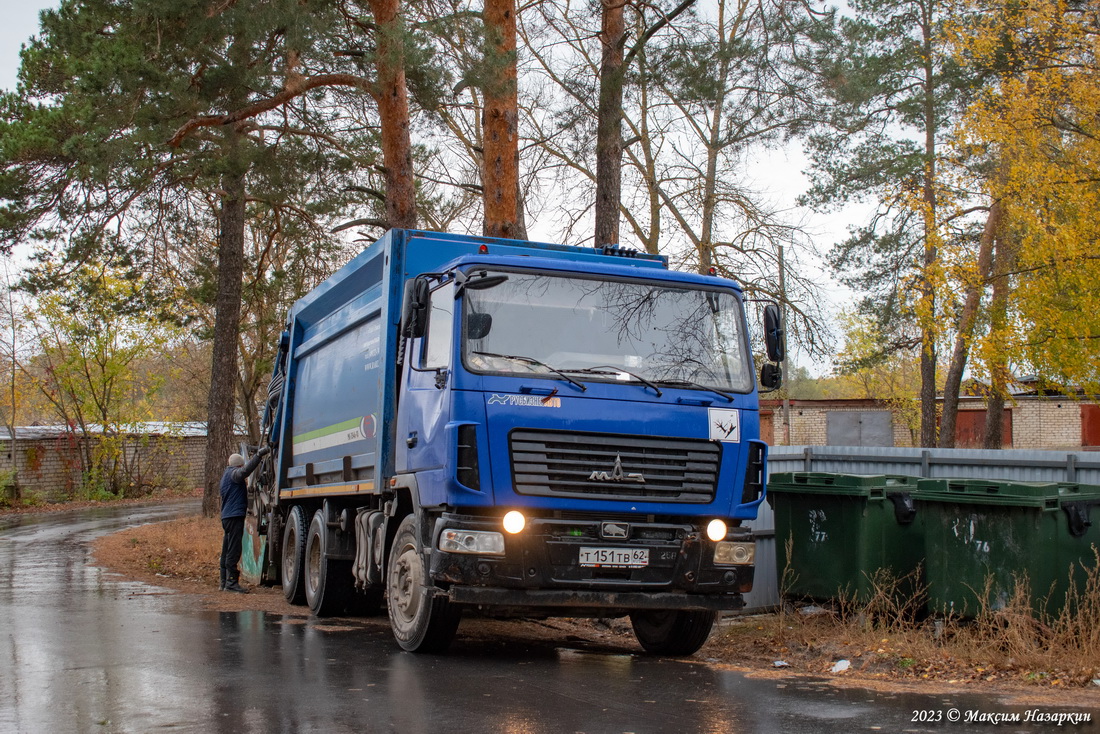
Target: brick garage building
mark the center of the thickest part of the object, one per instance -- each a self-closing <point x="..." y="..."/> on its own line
<point x="47" y="460"/>
<point x="1048" y="422"/>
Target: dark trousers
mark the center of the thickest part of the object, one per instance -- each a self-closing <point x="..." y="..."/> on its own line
<point x="233" y="527"/>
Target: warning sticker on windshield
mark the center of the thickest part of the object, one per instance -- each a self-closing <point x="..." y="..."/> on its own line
<point x="725" y="424"/>
<point x="528" y="401"/>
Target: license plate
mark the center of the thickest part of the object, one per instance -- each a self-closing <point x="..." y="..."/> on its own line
<point x="614" y="557"/>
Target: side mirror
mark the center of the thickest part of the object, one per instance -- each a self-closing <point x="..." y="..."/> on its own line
<point x="771" y="377"/>
<point x="414" y="309"/>
<point x="478" y="325"/>
<point x="775" y="338"/>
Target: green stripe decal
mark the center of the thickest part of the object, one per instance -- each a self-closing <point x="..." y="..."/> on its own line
<point x="328" y="430"/>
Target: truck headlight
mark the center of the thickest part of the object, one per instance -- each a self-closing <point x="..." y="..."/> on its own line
<point x="728" y="553"/>
<point x="478" y="542"/>
<point x="515" y="522"/>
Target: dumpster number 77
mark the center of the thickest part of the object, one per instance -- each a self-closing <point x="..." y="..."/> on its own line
<point x="817" y="531"/>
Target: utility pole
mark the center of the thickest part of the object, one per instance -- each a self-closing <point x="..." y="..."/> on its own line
<point x="785" y="362"/>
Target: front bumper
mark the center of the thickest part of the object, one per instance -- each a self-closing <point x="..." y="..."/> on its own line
<point x="541" y="569"/>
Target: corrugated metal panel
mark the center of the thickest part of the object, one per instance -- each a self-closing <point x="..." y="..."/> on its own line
<point x="1010" y="464"/>
<point x="1019" y="465"/>
<point x="765" y="588"/>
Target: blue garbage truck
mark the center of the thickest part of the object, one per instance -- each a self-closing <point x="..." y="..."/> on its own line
<point x="468" y="425"/>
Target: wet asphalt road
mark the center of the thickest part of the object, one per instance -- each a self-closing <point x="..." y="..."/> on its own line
<point x="85" y="652"/>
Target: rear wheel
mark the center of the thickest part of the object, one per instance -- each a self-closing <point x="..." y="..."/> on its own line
<point x="672" y="631"/>
<point x="328" y="583"/>
<point x="422" y="620"/>
<point x="294" y="547"/>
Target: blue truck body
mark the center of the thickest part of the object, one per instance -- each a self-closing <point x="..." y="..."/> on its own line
<point x="405" y="428"/>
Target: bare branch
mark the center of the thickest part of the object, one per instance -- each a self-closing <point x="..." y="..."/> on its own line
<point x="296" y="86"/>
<point x="359" y="222"/>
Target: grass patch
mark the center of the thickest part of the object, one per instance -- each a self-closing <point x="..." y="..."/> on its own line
<point x="187" y="549"/>
<point x="887" y="636"/>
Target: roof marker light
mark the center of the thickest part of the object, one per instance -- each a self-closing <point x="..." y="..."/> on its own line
<point x="483" y="250"/>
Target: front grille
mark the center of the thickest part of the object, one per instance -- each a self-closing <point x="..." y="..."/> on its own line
<point x="599" y="466"/>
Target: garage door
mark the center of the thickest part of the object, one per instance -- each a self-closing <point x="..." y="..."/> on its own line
<point x="859" y="428"/>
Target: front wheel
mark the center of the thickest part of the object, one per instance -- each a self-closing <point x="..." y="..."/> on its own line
<point x="422" y="620"/>
<point x="672" y="631"/>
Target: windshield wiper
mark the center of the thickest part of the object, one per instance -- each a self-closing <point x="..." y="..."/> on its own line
<point x="603" y="370"/>
<point x="532" y="360"/>
<point x="690" y="383"/>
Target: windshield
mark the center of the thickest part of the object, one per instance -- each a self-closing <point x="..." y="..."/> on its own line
<point x="609" y="330"/>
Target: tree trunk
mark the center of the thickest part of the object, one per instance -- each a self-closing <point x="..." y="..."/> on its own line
<point x="500" y="122"/>
<point x="968" y="317"/>
<point x="393" y="111"/>
<point x="12" y="417"/>
<point x="609" y="139"/>
<point x="249" y="394"/>
<point x="726" y="37"/>
<point x="926" y="309"/>
<point x="521" y="219"/>
<point x="999" y="376"/>
<point x="652" y="238"/>
<point x="227" y="317"/>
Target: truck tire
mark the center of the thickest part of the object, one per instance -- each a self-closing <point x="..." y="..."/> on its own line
<point x="294" y="551"/>
<point x="422" y="620"/>
<point x="328" y="583"/>
<point x="675" y="632"/>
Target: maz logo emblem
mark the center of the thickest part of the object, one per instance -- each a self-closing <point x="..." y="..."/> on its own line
<point x="616" y="474"/>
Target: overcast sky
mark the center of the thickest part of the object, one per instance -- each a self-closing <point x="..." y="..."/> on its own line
<point x="20" y="23"/>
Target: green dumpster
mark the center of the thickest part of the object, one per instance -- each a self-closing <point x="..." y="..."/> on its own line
<point x="983" y="536"/>
<point x="834" y="532"/>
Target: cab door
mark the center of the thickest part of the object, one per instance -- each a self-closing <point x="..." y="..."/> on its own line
<point x="423" y="408"/>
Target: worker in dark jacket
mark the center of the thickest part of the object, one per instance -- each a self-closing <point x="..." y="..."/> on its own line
<point x="234" y="506"/>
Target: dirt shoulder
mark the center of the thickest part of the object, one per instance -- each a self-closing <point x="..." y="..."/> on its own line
<point x="182" y="555"/>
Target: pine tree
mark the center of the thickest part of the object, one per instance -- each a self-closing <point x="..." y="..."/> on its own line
<point x="894" y="89"/>
<point x="110" y="131"/>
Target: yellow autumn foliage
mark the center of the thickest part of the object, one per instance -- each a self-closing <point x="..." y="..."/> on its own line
<point x="1038" y="128"/>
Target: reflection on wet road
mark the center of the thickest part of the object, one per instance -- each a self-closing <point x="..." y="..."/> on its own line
<point x="83" y="651"/>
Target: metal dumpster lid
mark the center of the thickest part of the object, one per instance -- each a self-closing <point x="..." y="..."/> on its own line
<point x="1050" y="495"/>
<point x="860" y="485"/>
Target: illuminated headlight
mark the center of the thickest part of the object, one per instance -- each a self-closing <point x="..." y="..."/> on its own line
<point x="734" y="554"/>
<point x="472" y="541"/>
<point x="717" y="530"/>
<point x="515" y="522"/>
